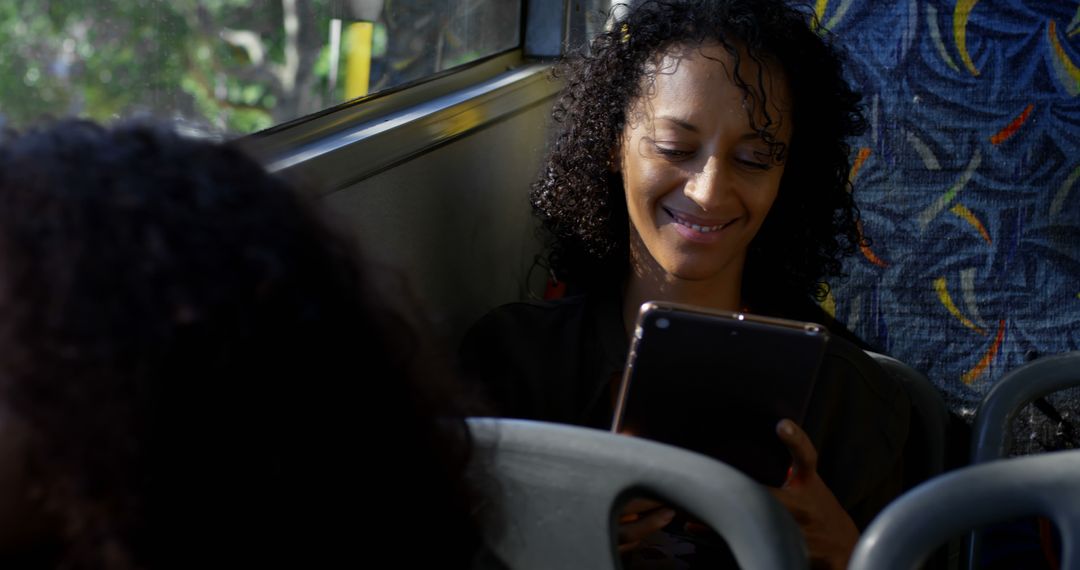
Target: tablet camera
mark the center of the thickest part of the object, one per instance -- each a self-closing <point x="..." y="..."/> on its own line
<point x="662" y="323"/>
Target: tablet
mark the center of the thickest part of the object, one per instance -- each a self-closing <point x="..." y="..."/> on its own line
<point x="718" y="383"/>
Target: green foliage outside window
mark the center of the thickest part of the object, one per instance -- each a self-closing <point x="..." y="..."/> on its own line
<point x="233" y="66"/>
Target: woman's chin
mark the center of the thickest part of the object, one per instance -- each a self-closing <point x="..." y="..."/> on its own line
<point x="693" y="273"/>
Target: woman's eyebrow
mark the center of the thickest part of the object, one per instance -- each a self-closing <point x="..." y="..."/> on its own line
<point x="688" y="126"/>
<point x="681" y="123"/>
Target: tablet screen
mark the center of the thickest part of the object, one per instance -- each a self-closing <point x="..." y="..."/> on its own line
<point x="718" y="383"/>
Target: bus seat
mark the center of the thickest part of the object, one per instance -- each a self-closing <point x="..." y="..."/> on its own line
<point x="549" y="494"/>
<point x="924" y="518"/>
<point x="1011" y="393"/>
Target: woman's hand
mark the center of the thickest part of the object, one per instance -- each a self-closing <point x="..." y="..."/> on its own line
<point x="639" y="519"/>
<point x="829" y="532"/>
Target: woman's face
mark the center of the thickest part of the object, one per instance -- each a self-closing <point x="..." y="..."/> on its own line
<point x="698" y="180"/>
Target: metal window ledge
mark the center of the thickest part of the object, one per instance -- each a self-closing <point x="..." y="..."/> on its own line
<point x="367" y="146"/>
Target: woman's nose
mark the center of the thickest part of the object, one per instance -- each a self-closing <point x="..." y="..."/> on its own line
<point x="708" y="187"/>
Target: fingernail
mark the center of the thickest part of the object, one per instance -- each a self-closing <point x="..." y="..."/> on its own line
<point x="786" y="428"/>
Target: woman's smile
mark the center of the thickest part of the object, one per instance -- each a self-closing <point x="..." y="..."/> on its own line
<point x="696" y="229"/>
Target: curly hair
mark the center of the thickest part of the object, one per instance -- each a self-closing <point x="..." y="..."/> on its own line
<point x="205" y="371"/>
<point x="813" y="223"/>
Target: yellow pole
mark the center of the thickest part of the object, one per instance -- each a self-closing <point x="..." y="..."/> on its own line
<point x="358" y="67"/>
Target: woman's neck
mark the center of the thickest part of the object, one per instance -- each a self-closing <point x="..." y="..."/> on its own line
<point x="649" y="281"/>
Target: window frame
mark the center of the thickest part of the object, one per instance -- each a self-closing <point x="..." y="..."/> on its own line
<point x="350" y="142"/>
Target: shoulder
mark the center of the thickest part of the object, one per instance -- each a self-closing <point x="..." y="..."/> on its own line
<point x="848" y="375"/>
<point x="859" y="417"/>
<point x="524" y="356"/>
<point x="530" y="318"/>
<point x="860" y="374"/>
<point x="807" y="310"/>
<point x="527" y="327"/>
<point x="862" y="401"/>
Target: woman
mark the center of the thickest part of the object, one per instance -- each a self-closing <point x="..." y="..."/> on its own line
<point x="197" y="372"/>
<point x="702" y="160"/>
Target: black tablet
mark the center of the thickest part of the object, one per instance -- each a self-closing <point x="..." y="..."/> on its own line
<point x="718" y="383"/>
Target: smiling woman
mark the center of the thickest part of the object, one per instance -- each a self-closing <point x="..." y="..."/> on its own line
<point x="699" y="180"/>
<point x="701" y="159"/>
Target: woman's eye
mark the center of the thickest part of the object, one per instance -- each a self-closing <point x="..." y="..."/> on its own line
<point x="672" y="152"/>
<point x="754" y="163"/>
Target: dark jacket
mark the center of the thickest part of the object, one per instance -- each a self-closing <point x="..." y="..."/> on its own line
<point x="556" y="361"/>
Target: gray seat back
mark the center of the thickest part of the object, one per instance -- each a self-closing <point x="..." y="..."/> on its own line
<point x="1011" y="393"/>
<point x="549" y="493"/>
<point x="912" y="526"/>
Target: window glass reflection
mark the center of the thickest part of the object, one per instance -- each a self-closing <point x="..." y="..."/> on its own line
<point x="236" y="66"/>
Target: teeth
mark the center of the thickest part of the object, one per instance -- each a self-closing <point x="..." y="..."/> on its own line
<point x="695" y="227"/>
<point x="702" y="229"/>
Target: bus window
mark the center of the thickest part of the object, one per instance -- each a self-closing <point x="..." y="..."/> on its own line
<point x="231" y="66"/>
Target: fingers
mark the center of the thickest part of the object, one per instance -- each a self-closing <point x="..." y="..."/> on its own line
<point x="829" y="532"/>
<point x="642" y="525"/>
<point x="803" y="454"/>
<point x="696" y="528"/>
<point x="638" y="505"/>
<point x="793" y="504"/>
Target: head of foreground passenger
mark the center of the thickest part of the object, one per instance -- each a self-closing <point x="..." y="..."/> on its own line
<point x="196" y="370"/>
